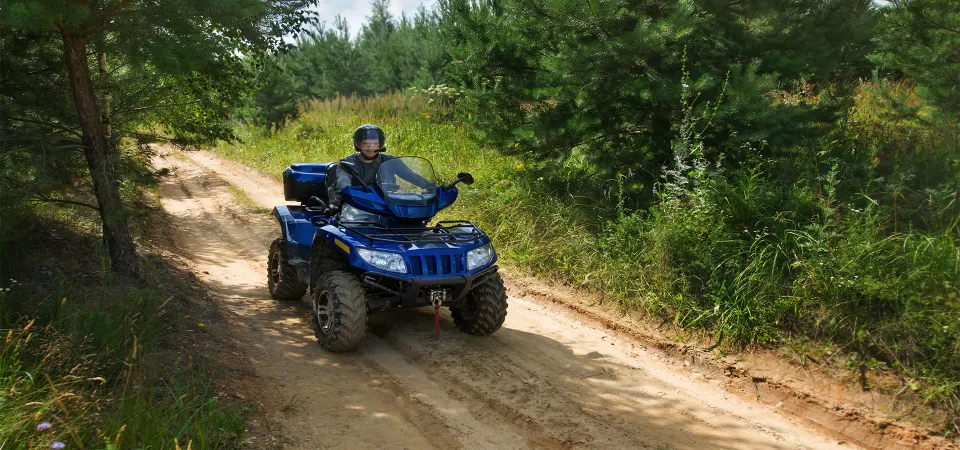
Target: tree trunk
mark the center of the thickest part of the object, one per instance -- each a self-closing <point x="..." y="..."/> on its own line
<point x="102" y="62"/>
<point x="116" y="234"/>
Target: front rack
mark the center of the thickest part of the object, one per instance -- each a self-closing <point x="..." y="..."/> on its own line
<point x="449" y="231"/>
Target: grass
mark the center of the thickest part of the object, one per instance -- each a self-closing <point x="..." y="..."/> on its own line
<point x="92" y="361"/>
<point x="743" y="256"/>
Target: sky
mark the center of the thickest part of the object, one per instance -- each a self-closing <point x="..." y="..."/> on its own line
<point x="356" y="12"/>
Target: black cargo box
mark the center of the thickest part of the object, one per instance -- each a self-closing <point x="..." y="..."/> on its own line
<point x="301" y="181"/>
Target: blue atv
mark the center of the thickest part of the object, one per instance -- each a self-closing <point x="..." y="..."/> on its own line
<point x="379" y="252"/>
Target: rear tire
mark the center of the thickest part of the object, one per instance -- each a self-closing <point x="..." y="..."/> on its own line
<point x="339" y="311"/>
<point x="484" y="308"/>
<point x="282" y="279"/>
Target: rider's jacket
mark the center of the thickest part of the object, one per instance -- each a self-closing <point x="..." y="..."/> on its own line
<point x="352" y="169"/>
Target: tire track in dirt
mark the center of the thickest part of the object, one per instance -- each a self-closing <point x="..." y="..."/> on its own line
<point x="546" y="380"/>
<point x="355" y="402"/>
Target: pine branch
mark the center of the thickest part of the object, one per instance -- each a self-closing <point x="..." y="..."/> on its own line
<point x="104" y="15"/>
<point x="146" y="135"/>
<point x="168" y="105"/>
<point x="67" y="202"/>
<point x="47" y="124"/>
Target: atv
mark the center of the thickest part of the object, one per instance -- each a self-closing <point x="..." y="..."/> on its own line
<point x="381" y="252"/>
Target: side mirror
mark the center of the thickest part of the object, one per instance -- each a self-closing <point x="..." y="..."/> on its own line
<point x="462" y="177"/>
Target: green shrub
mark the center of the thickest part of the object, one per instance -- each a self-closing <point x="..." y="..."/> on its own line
<point x="803" y="247"/>
<point x="94" y="361"/>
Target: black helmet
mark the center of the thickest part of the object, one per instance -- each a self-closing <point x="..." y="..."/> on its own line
<point x="368" y="131"/>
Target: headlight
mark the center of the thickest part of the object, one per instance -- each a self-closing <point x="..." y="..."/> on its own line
<point x="383" y="260"/>
<point x="479" y="256"/>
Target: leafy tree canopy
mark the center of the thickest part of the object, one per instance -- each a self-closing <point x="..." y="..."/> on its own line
<point x="122" y="64"/>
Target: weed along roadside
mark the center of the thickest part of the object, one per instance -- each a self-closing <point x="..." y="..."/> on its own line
<point x="694" y="224"/>
<point x="546" y="379"/>
<point x="89" y="360"/>
<point x="713" y="263"/>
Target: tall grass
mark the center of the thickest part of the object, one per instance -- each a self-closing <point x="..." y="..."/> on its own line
<point x="747" y="255"/>
<point x="92" y="361"/>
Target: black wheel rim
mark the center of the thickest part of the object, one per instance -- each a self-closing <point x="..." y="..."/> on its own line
<point x="275" y="269"/>
<point x="471" y="307"/>
<point x="324" y="312"/>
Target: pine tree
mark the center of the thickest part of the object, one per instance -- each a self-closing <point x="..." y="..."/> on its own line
<point x="380" y="49"/>
<point x="388" y="55"/>
<point x="191" y="49"/>
<point x="548" y="77"/>
<point x="921" y="39"/>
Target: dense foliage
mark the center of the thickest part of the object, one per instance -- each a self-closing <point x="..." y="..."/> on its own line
<point x="388" y="55"/>
<point x="91" y="360"/>
<point x="772" y="173"/>
<point x="606" y="77"/>
<point x="920" y="39"/>
<point x="84" y="75"/>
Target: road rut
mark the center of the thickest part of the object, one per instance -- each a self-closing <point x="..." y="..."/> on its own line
<point x="547" y="379"/>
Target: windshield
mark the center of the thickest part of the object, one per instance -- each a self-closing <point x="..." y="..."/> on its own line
<point x="407" y="180"/>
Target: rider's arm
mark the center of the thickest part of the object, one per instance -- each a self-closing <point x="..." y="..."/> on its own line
<point x="344" y="179"/>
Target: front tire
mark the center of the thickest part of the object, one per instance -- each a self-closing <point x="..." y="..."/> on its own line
<point x="282" y="278"/>
<point x="339" y="311"/>
<point x="325" y="258"/>
<point x="484" y="308"/>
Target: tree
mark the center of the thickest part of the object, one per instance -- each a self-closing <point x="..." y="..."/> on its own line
<point x="380" y="49"/>
<point x="389" y="55"/>
<point x="605" y="77"/>
<point x="194" y="50"/>
<point x="921" y="40"/>
<point x="278" y="97"/>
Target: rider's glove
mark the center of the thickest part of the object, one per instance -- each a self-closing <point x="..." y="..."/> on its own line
<point x="332" y="210"/>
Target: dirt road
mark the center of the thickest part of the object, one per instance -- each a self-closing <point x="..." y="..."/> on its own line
<point x="547" y="379"/>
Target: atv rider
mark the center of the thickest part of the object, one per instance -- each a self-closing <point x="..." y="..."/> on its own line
<point x="368" y="142"/>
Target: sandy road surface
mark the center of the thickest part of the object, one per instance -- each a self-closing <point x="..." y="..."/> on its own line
<point x="547" y="379"/>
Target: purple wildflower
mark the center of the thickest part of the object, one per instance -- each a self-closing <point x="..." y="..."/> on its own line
<point x="44" y="426"/>
<point x="58" y="445"/>
<point x="136" y="387"/>
<point x="654" y="189"/>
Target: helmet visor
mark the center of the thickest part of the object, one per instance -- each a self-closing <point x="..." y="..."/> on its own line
<point x="362" y="139"/>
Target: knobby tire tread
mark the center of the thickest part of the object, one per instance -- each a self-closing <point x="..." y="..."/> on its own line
<point x="350" y="306"/>
<point x="492" y="303"/>
<point x="289" y="287"/>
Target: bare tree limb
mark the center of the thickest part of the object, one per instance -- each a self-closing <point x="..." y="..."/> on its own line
<point x="68" y="202"/>
<point x="47" y="124"/>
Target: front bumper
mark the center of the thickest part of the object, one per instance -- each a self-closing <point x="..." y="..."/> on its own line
<point x="414" y="291"/>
